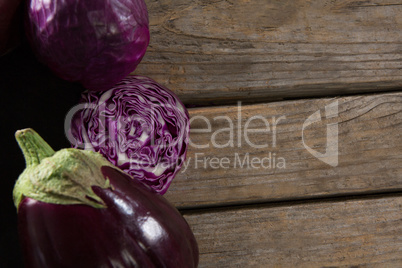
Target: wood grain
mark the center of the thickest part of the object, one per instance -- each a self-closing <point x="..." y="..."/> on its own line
<point x="369" y="152"/>
<point x="354" y="233"/>
<point x="210" y="51"/>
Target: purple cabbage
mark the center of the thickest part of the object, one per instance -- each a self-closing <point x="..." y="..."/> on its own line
<point x="96" y="43"/>
<point x="139" y="126"/>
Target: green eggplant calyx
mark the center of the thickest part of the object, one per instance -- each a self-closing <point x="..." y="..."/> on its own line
<point x="65" y="177"/>
<point x="33" y="146"/>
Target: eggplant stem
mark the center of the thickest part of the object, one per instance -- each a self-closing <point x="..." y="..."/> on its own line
<point x="34" y="148"/>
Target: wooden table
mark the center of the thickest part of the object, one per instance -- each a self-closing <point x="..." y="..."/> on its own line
<point x="296" y="154"/>
<point x="314" y="86"/>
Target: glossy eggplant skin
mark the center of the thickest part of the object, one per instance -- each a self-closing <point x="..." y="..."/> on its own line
<point x="138" y="228"/>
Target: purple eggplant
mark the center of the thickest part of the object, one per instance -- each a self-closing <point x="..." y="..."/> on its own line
<point x="75" y="209"/>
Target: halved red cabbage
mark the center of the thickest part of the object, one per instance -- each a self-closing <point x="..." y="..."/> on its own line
<point x="139" y="126"/>
<point x="96" y="43"/>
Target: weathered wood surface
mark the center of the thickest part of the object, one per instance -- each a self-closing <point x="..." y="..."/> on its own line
<point x="354" y="233"/>
<point x="210" y="51"/>
<point x="369" y="148"/>
<point x="221" y="52"/>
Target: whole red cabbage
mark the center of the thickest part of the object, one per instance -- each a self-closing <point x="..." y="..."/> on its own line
<point x="139" y="126"/>
<point x="96" y="43"/>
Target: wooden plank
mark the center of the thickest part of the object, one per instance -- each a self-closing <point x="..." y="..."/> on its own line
<point x="369" y="151"/>
<point x="354" y="233"/>
<point x="217" y="51"/>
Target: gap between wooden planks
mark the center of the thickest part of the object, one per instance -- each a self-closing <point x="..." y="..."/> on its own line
<point x="346" y="233"/>
<point x="212" y="52"/>
<point x="369" y="151"/>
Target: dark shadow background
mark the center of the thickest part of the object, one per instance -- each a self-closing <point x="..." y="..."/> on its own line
<point x="31" y="96"/>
